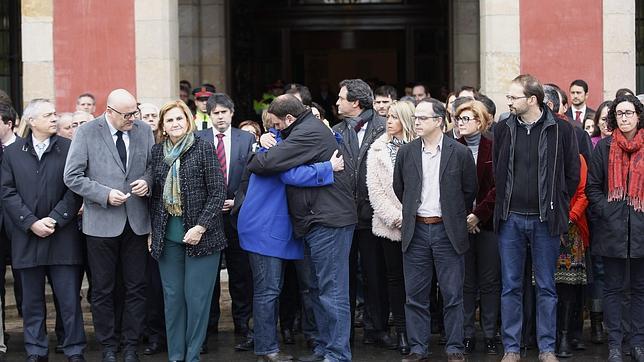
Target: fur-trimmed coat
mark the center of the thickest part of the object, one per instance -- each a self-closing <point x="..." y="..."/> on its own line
<point x="386" y="206"/>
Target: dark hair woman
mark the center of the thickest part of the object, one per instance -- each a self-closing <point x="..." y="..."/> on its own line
<point x="187" y="228"/>
<point x="615" y="191"/>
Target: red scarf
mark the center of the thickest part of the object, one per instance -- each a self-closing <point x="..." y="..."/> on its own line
<point x="626" y="162"/>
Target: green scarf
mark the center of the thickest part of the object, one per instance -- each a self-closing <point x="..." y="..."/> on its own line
<point x="172" y="189"/>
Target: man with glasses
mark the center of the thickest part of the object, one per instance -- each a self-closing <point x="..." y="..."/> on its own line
<point x="435" y="180"/>
<point x="536" y="163"/>
<point x="108" y="165"/>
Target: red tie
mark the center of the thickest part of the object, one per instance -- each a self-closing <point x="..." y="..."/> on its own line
<point x="221" y="155"/>
<point x="578" y="116"/>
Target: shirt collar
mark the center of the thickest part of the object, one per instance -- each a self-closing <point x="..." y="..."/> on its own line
<point x="112" y="129"/>
<point x="438" y="146"/>
<point x="582" y="109"/>
<point x="226" y="134"/>
<point x="36" y="142"/>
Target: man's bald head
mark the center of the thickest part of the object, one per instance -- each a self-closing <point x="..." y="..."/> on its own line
<point x="122" y="109"/>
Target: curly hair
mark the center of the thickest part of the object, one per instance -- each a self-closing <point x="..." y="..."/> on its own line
<point x="611" y="118"/>
<point x="358" y="90"/>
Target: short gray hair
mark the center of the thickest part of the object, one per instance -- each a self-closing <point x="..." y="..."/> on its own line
<point x="32" y="110"/>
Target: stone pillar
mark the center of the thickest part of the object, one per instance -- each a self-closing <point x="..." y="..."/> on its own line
<point x="500" y="48"/>
<point x="619" y="46"/>
<point x="202" y="42"/>
<point x="157" y="50"/>
<point x="466" y="40"/>
<point x="37" y="50"/>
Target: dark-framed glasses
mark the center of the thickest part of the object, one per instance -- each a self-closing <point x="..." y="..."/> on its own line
<point x="513" y="98"/>
<point x="134" y="114"/>
<point x="628" y="114"/>
<point x="423" y="118"/>
<point x="464" y="119"/>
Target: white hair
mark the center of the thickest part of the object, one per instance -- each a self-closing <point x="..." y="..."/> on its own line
<point x="32" y="110"/>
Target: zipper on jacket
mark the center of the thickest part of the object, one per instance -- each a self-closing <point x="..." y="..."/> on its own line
<point x="512" y="141"/>
<point x="554" y="170"/>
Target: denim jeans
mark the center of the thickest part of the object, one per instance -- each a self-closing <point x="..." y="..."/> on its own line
<point x="615" y="291"/>
<point x="514" y="235"/>
<point x="268" y="277"/>
<point x="430" y="247"/>
<point x="328" y="250"/>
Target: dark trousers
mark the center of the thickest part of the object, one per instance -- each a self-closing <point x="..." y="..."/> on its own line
<point x="126" y="253"/>
<point x="372" y="264"/>
<point x="66" y="287"/>
<point x="154" y="307"/>
<point x="5" y="259"/>
<point x="616" y="272"/>
<point x="429" y="247"/>
<point x="395" y="281"/>
<point x="483" y="278"/>
<point x="290" y="303"/>
<point x="240" y="283"/>
<point x="296" y="298"/>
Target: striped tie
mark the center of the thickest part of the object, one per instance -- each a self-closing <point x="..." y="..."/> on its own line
<point x="221" y="155"/>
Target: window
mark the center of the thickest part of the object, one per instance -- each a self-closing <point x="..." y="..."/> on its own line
<point x="639" y="40"/>
<point x="10" y="53"/>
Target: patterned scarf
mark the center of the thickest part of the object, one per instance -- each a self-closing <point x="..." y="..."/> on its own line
<point x="393" y="146"/>
<point x="172" y="189"/>
<point x="626" y="169"/>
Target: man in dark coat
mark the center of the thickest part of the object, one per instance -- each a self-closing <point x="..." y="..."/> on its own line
<point x="45" y="240"/>
<point x="435" y="180"/>
<point x="360" y="127"/>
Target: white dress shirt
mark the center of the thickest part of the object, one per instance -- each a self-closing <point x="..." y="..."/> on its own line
<point x="40" y="147"/>
<point x="227" y="141"/>
<point x="126" y="138"/>
<point x="582" y="115"/>
<point x="361" y="133"/>
<point x="430" y="195"/>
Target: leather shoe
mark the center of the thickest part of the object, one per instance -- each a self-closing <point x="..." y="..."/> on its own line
<point x="130" y="356"/>
<point x="288" y="336"/>
<point x="153" y="348"/>
<point x="76" y="358"/>
<point x="414" y="357"/>
<point x="246" y="345"/>
<point x="37" y="358"/>
<point x="275" y="357"/>
<point x="109" y="356"/>
<point x="311" y="358"/>
<point x="469" y="345"/>
<point x="491" y="347"/>
<point x="455" y="357"/>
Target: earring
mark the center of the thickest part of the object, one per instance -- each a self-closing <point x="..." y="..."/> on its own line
<point x="165" y="134"/>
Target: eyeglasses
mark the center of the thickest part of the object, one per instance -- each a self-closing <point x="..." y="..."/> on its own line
<point x="513" y="98"/>
<point x="135" y="114"/>
<point x="628" y="114"/>
<point x="465" y="119"/>
<point x="423" y="118"/>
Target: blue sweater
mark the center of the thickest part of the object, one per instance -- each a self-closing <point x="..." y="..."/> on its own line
<point x="264" y="225"/>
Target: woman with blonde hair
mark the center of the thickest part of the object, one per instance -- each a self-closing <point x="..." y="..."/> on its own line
<point x="187" y="227"/>
<point x="482" y="260"/>
<point x="387" y="210"/>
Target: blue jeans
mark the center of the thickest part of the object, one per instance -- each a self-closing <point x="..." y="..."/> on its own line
<point x="430" y="247"/>
<point x="268" y="278"/>
<point x="328" y="257"/>
<point x="514" y="235"/>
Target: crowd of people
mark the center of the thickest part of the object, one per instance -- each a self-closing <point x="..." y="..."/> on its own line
<point x="407" y="218"/>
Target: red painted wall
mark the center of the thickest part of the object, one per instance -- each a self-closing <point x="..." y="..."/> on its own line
<point x="94" y="50"/>
<point x="561" y="40"/>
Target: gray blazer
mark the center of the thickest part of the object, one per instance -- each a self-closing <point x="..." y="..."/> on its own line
<point x="94" y="168"/>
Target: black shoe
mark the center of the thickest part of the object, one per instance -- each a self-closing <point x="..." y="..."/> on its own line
<point x="637" y="354"/>
<point x="491" y="347"/>
<point x="564" y="349"/>
<point x="414" y="358"/>
<point x="76" y="358"/>
<point x="37" y="358"/>
<point x="311" y="358"/>
<point x="456" y="357"/>
<point x="275" y="357"/>
<point x="614" y="355"/>
<point x="403" y="344"/>
<point x="153" y="348"/>
<point x="246" y="345"/>
<point x="288" y="336"/>
<point x="109" y="356"/>
<point x="469" y="345"/>
<point x="130" y="356"/>
<point x="386" y="341"/>
<point x="59" y="349"/>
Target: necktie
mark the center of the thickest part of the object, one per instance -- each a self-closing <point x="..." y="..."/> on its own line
<point x="359" y="125"/>
<point x="120" y="147"/>
<point x="221" y="155"/>
<point x="578" y="116"/>
<point x="40" y="149"/>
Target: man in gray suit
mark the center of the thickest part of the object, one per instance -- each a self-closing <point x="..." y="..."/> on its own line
<point x="108" y="165"/>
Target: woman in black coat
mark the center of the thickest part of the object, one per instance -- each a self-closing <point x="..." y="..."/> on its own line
<point x="187" y="230"/>
<point x="615" y="191"/>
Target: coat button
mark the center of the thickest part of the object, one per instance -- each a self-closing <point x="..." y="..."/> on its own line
<point x="21" y="217"/>
<point x="65" y="214"/>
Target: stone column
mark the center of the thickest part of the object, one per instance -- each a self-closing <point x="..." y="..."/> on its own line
<point x="37" y="50"/>
<point x="500" y="48"/>
<point x="466" y="40"/>
<point x="619" y="46"/>
<point x="157" y="50"/>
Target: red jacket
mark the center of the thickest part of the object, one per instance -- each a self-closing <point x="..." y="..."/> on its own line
<point x="579" y="203"/>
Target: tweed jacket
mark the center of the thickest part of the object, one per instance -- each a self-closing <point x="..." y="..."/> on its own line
<point x="380" y="175"/>
<point x="202" y="196"/>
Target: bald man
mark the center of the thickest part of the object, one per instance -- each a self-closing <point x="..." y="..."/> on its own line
<point x="108" y="165"/>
